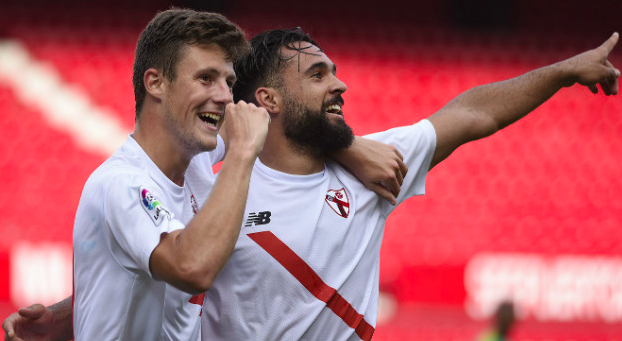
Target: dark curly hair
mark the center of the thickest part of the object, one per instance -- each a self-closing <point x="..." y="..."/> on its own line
<point x="170" y="31"/>
<point x="263" y="66"/>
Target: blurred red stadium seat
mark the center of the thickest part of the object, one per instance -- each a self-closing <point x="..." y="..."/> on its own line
<point x="548" y="185"/>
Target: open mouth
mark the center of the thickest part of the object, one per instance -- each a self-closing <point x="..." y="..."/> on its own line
<point x="334" y="109"/>
<point x="209" y="118"/>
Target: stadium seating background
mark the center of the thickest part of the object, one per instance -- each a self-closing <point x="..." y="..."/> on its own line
<point x="549" y="185"/>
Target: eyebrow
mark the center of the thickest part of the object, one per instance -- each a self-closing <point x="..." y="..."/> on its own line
<point x="216" y="72"/>
<point x="321" y="65"/>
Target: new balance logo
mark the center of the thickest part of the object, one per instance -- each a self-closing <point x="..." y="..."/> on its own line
<point x="260" y="218"/>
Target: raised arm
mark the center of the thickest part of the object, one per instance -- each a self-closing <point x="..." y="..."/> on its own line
<point x="485" y="109"/>
<point x="38" y="323"/>
<point x="191" y="258"/>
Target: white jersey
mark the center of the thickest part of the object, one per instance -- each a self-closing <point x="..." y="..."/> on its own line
<point x="126" y="204"/>
<point x="306" y="264"/>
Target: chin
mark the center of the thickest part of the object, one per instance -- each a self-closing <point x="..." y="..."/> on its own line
<point x="209" y="147"/>
<point x="209" y="144"/>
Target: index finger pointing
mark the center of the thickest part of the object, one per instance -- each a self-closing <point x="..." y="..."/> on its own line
<point x="610" y="43"/>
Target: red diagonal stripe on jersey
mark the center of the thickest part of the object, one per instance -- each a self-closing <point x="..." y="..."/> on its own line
<point x="198" y="299"/>
<point x="312" y="281"/>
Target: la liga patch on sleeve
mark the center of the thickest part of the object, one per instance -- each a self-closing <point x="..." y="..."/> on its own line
<point x="156" y="211"/>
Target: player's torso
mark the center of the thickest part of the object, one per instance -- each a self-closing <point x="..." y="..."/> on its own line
<point x="181" y="310"/>
<point x="305" y="263"/>
<point x="106" y="275"/>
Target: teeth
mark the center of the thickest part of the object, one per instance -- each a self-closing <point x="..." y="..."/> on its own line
<point x="210" y="118"/>
<point x="335" y="108"/>
<point x="210" y="115"/>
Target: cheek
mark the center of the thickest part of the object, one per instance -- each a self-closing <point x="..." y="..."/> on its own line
<point x="317" y="94"/>
<point x="192" y="95"/>
<point x="310" y="98"/>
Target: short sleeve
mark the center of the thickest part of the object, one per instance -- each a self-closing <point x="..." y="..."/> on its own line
<point x="416" y="143"/>
<point x="136" y="217"/>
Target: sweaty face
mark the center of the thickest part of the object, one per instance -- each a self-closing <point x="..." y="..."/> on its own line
<point x="312" y="101"/>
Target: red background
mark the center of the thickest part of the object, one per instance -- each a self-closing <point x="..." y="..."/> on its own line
<point x="548" y="185"/>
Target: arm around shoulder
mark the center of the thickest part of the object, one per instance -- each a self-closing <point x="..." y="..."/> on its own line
<point x="379" y="166"/>
<point x="37" y="322"/>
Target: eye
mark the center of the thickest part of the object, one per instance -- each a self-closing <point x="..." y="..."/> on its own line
<point x="205" y="78"/>
<point x="317" y="75"/>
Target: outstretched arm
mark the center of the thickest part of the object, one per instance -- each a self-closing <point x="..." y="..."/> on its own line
<point x="38" y="323"/>
<point x="484" y="110"/>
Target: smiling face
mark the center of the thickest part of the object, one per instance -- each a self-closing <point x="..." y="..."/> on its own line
<point x="312" y="102"/>
<point x="195" y="100"/>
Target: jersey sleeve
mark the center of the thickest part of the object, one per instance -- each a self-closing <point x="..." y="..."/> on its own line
<point x="136" y="219"/>
<point x="416" y="143"/>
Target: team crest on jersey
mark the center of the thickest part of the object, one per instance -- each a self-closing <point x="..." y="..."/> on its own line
<point x="154" y="208"/>
<point x="338" y="201"/>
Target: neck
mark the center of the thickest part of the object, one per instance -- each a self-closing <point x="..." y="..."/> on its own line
<point x="279" y="154"/>
<point x="167" y="155"/>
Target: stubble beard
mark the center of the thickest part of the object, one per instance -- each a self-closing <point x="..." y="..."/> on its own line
<point x="185" y="139"/>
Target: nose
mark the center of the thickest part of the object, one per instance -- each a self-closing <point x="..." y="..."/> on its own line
<point x="222" y="93"/>
<point x="339" y="86"/>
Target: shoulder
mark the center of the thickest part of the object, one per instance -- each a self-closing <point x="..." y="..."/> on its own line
<point x="422" y="129"/>
<point x="117" y="170"/>
<point x="112" y="179"/>
<point x="340" y="177"/>
<point x="416" y="142"/>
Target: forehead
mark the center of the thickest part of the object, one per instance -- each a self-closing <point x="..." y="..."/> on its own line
<point x="307" y="56"/>
<point x="204" y="56"/>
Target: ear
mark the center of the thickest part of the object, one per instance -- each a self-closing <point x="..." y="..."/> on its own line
<point x="269" y="98"/>
<point x="154" y="82"/>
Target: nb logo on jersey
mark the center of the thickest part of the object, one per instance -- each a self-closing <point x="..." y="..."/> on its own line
<point x="260" y="218"/>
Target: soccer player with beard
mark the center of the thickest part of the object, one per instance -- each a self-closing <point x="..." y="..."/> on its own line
<point x="306" y="263"/>
<point x="148" y="233"/>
